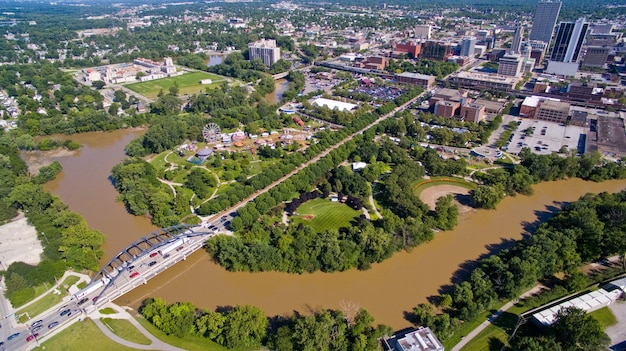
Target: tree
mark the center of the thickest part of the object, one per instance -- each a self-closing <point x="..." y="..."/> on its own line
<point x="485" y="196"/>
<point x="245" y="326"/>
<point x="446" y="213"/>
<point x="98" y="84"/>
<point x="528" y="343"/>
<point x="575" y="330"/>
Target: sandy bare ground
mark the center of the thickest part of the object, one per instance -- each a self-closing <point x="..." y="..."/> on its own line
<point x="37" y="159"/>
<point x="430" y="195"/>
<point x="18" y="242"/>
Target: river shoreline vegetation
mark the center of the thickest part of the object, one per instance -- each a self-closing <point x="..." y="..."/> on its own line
<point x="65" y="236"/>
<point x="247" y="328"/>
<point x="585" y="230"/>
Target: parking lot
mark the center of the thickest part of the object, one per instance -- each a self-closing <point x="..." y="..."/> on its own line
<point x="546" y="137"/>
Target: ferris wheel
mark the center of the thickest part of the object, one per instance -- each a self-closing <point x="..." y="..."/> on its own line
<point x="211" y="132"/>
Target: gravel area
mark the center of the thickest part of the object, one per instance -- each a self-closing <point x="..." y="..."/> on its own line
<point x="617" y="332"/>
<point x="18" y="242"/>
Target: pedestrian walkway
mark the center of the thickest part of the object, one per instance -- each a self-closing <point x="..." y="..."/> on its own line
<point x="121" y="313"/>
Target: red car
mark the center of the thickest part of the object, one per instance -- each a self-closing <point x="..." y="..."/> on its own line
<point x="31" y="337"/>
<point x="134" y="274"/>
<point x="154" y="254"/>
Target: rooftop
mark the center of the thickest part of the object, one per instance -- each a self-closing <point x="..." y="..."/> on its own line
<point x="333" y="104"/>
<point x="497" y="78"/>
<point x="421" y="339"/>
<point x="415" y="75"/>
<point x="555" y="105"/>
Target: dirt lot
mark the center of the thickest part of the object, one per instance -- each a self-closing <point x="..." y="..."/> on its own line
<point x="18" y="242"/>
<point x="37" y="159"/>
<point x="461" y="196"/>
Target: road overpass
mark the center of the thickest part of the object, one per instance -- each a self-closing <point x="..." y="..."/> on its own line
<point x="141" y="261"/>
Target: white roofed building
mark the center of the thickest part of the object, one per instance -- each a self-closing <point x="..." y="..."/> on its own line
<point x="422" y="339"/>
<point x="333" y="104"/>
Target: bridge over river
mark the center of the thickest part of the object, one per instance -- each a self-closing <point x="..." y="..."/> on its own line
<point x="133" y="266"/>
<point x="142" y="260"/>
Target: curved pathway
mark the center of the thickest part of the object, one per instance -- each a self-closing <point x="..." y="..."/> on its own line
<point x="155" y="344"/>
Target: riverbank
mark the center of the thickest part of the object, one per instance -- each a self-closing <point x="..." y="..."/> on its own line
<point x="431" y="266"/>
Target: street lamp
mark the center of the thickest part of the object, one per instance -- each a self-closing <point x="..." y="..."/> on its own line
<point x="46" y="237"/>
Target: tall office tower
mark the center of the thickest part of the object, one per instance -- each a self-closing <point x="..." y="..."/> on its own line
<point x="468" y="46"/>
<point x="567" y="46"/>
<point x="266" y="50"/>
<point x="569" y="40"/>
<point x="516" y="47"/>
<point x="422" y="31"/>
<point x="545" y="19"/>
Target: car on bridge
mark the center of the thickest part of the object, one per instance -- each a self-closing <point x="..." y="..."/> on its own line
<point x="152" y="263"/>
<point x="134" y="274"/>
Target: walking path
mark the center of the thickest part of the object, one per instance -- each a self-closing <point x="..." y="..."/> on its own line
<point x="494" y="316"/>
<point x="155" y="344"/>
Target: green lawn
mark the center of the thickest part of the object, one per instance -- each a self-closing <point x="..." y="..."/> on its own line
<point x="188" y="83"/>
<point x="125" y="330"/>
<point x="49" y="299"/>
<point x="81" y="336"/>
<point x="425" y="184"/>
<point x="325" y="214"/>
<point x="604" y="316"/>
<point x="466" y="328"/>
<point x="107" y="310"/>
<point x="190" y="343"/>
<point x="495" y="335"/>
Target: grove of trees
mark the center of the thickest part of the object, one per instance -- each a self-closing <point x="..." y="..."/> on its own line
<point x="247" y="327"/>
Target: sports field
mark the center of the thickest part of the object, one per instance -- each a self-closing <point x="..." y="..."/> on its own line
<point x="323" y="214"/>
<point x="188" y="83"/>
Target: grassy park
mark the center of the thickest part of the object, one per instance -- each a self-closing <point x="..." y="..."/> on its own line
<point x="49" y="299"/>
<point x="188" y="83"/>
<point x="77" y="336"/>
<point x="322" y="214"/>
<point x="125" y="330"/>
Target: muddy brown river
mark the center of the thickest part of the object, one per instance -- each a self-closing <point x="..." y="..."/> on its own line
<point x="387" y="290"/>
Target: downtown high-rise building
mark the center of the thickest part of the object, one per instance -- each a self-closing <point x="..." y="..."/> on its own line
<point x="568" y="44"/>
<point x="544" y="21"/>
<point x="468" y="46"/>
<point x="569" y="41"/>
<point x="266" y="50"/>
<point x="516" y="46"/>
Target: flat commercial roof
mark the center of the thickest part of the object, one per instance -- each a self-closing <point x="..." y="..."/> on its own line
<point x="415" y="75"/>
<point x="332" y="104"/>
<point x="588" y="303"/>
<point x="497" y="78"/>
<point x="560" y="106"/>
